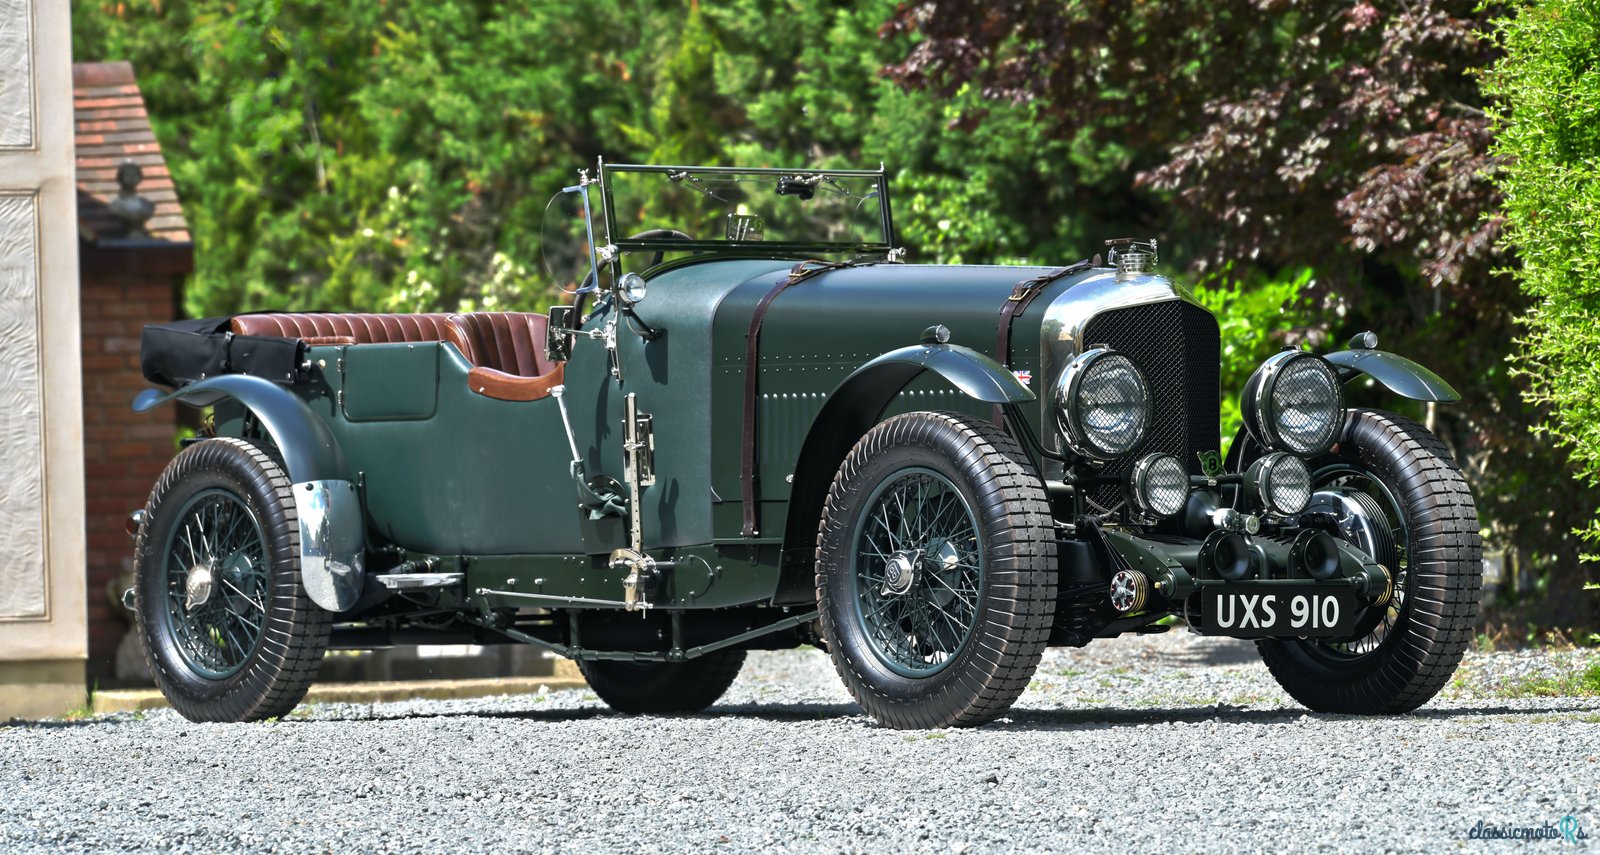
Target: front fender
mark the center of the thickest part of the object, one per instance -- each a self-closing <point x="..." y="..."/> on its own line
<point x="332" y="524"/>
<point x="1397" y="374"/>
<point x="974" y="373"/>
<point x="851" y="410"/>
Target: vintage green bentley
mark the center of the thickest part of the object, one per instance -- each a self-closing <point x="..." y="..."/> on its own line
<point x="753" y="427"/>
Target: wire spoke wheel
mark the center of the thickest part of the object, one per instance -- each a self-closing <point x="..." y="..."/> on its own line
<point x="1389" y="517"/>
<point x="229" y="631"/>
<point x="918" y="572"/>
<point x="936" y="571"/>
<point x="216" y="583"/>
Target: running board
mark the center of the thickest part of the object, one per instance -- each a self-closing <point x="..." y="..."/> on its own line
<point x="419" y="581"/>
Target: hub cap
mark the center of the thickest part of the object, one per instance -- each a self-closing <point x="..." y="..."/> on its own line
<point x="198" y="586"/>
<point x="217" y="583"/>
<point x="918" y="572"/>
<point x="900" y="572"/>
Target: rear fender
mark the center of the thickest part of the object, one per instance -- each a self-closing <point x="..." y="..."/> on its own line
<point x="332" y="524"/>
<point x="854" y="407"/>
<point x="309" y="450"/>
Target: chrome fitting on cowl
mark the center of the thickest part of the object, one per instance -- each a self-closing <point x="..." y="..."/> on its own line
<point x="1228" y="519"/>
<point x="1131" y="256"/>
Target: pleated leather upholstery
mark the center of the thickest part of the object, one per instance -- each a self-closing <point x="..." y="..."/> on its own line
<point x="357" y="328"/>
<point x="506" y="349"/>
<point x="509" y="342"/>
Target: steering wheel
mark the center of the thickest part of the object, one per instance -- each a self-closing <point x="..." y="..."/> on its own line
<point x="648" y="234"/>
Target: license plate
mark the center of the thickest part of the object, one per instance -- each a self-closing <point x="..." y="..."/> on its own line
<point x="1265" y="613"/>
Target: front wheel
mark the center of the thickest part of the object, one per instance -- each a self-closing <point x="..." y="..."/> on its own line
<point x="229" y="631"/>
<point x="935" y="571"/>
<point x="1411" y="510"/>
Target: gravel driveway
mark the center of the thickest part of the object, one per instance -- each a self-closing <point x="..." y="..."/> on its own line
<point x="1167" y="743"/>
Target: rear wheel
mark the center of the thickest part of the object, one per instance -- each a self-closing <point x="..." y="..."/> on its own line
<point x="935" y="571"/>
<point x="229" y="632"/>
<point x="1407" y="505"/>
<point x="663" y="687"/>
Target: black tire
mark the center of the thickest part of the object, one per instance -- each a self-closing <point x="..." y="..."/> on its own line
<point x="1420" y="643"/>
<point x="240" y="478"/>
<point x="902" y="672"/>
<point x="663" y="688"/>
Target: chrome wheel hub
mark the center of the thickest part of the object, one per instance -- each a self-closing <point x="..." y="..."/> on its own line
<point x="900" y="571"/>
<point x="918" y="570"/>
<point x="217" y="583"/>
<point x="197" y="586"/>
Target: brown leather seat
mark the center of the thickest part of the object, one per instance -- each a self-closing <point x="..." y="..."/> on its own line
<point x="507" y="352"/>
<point x="355" y="328"/>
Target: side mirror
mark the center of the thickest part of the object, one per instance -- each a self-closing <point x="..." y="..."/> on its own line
<point x="558" y="336"/>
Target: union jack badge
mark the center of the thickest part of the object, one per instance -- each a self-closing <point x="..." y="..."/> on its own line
<point x="1024" y="377"/>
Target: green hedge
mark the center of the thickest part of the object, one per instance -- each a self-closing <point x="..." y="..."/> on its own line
<point x="1548" y="86"/>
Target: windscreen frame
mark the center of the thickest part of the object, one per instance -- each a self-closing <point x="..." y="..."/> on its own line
<point x="623" y="245"/>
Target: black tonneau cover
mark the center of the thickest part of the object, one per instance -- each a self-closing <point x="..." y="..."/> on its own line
<point x="180" y="352"/>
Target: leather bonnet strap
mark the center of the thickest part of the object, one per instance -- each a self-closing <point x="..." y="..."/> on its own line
<point x="752" y="369"/>
<point x="1017" y="303"/>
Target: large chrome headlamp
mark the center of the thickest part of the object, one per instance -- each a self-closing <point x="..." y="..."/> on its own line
<point x="1102" y="404"/>
<point x="1293" y="403"/>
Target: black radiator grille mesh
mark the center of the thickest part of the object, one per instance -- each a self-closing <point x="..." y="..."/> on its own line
<point x="1176" y="344"/>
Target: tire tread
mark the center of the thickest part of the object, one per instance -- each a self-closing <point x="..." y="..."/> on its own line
<point x="1445" y="553"/>
<point x="1021" y="573"/>
<point x="296" y="633"/>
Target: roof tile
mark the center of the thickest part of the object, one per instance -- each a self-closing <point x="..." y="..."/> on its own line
<point x="113" y="127"/>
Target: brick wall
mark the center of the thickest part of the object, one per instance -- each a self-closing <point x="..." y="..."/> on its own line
<point x="124" y="451"/>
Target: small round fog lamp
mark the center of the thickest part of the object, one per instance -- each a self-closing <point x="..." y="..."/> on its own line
<point x="1158" y="485"/>
<point x="1282" y="482"/>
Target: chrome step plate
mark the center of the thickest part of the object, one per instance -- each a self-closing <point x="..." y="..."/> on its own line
<point x="414" y="581"/>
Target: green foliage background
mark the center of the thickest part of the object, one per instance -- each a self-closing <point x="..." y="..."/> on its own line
<point x="398" y="155"/>
<point x="1549" y="133"/>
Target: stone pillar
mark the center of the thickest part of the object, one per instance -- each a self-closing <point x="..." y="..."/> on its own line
<point x="42" y="632"/>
